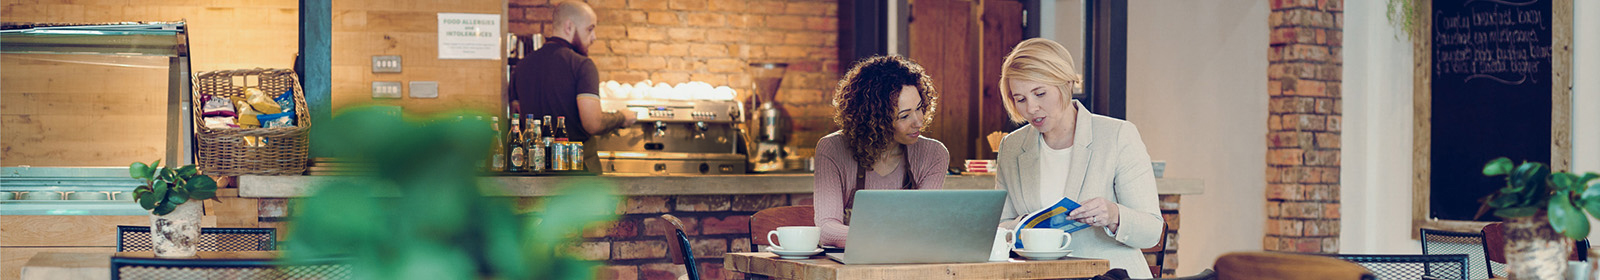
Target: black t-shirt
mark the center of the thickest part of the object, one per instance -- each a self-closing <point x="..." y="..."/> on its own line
<point x="549" y="81"/>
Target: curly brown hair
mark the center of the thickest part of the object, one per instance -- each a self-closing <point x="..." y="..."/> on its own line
<point x="866" y="99"/>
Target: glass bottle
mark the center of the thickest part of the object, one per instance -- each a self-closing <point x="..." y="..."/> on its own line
<point x="549" y="139"/>
<point x="558" y="149"/>
<point x="519" y="153"/>
<point x="536" y="156"/>
<point x="497" y="154"/>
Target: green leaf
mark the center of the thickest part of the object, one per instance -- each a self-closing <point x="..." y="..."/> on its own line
<point x="156" y="164"/>
<point x="165" y="208"/>
<point x="138" y="170"/>
<point x="178" y="196"/>
<point x="1564" y="181"/>
<point x="1516" y="212"/>
<point x="202" y="183"/>
<point x="148" y="200"/>
<point x="187" y="171"/>
<point x="203" y="194"/>
<point x="1584" y="181"/>
<point x="1566" y="219"/>
<point x="161" y="189"/>
<point x="1496" y="167"/>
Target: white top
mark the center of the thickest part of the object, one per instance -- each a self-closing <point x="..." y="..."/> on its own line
<point x="1053" y="167"/>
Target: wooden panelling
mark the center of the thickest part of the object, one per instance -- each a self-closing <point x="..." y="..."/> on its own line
<point x="944" y="36"/>
<point x="232" y="210"/>
<point x="14" y="258"/>
<point x="1002" y="30"/>
<point x="364" y="28"/>
<point x="71" y="231"/>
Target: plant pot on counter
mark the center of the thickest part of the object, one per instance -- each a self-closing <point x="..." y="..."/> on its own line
<point x="1534" y="250"/>
<point x="176" y="234"/>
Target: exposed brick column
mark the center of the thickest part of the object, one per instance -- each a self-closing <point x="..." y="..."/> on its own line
<point x="1303" y="81"/>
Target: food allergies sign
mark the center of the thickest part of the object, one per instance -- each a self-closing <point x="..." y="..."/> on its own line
<point x="469" y="36"/>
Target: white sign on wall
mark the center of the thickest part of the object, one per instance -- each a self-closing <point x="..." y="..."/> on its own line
<point x="469" y="36"/>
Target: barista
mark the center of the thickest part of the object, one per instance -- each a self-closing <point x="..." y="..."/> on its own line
<point x="559" y="79"/>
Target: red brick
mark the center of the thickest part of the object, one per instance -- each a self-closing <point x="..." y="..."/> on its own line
<point x="1330" y="210"/>
<point x="786" y="52"/>
<point x="765" y="7"/>
<point x="597" y="229"/>
<point x="623" y="228"/>
<point x="665" y="18"/>
<point x="654" y="226"/>
<point x="752" y="203"/>
<point x="647" y="63"/>
<point x="609" y="62"/>
<point x="1282" y="227"/>
<point x="669" y="77"/>
<point x="1285" y="192"/>
<point x="661" y="271"/>
<point x="709" y="247"/>
<point x="1284" y="156"/>
<point x="616" y="272"/>
<point x="726" y="5"/>
<point x="646" y="33"/>
<point x="641" y="249"/>
<point x="1274" y="209"/>
<point x="725" y="225"/>
<point x="785" y="22"/>
<point x="725" y="65"/>
<point x="713" y="271"/>
<point x="1274" y="123"/>
<point x="539" y="13"/>
<point x="808" y="8"/>
<point x="806" y="38"/>
<point x="647" y="4"/>
<point x="709" y="78"/>
<point x="609" y="32"/>
<point x="739" y="245"/>
<point x="1330" y="175"/>
<point x="707" y="20"/>
<point x="702" y="203"/>
<point x="1335" y="123"/>
<point x="726" y="36"/>
<point x="1328" y="140"/>
<point x="709" y="50"/>
<point x="626" y="77"/>
<point x="594" y="251"/>
<point x="690" y="5"/>
<point x="623" y="17"/>
<point x="643" y="205"/>
<point x="686" y="34"/>
<point x="768" y="37"/>
<point x="1308" y="245"/>
<point x="602" y="4"/>
<point x="684" y="64"/>
<point x="669" y="49"/>
<point x="1269" y="243"/>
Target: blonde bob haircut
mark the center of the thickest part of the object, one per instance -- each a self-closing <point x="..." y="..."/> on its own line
<point x="1038" y="60"/>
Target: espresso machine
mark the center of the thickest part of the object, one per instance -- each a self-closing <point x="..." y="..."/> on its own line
<point x="683" y="134"/>
<point x="770" y="122"/>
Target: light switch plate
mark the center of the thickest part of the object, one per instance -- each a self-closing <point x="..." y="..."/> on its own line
<point x="425" y="89"/>
<point x="386" y="89"/>
<point x="385" y="64"/>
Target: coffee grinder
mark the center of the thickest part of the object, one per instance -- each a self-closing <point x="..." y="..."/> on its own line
<point x="771" y="121"/>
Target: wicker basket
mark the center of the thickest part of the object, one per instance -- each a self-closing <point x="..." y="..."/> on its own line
<point x="224" y="152"/>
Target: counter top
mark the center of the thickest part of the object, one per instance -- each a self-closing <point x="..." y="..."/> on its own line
<point x="635" y="185"/>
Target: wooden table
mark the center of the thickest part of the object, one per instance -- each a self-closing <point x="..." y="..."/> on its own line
<point x="58" y="265"/>
<point x="820" y="267"/>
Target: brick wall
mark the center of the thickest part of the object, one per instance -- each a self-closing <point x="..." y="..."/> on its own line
<point x="1169" y="212"/>
<point x="1303" y="83"/>
<point x="713" y="41"/>
<point x="634" y="246"/>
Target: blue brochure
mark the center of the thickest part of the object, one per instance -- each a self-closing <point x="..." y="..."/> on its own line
<point x="1054" y="216"/>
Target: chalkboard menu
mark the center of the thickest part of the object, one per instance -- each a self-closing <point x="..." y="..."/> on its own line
<point x="1491" y="91"/>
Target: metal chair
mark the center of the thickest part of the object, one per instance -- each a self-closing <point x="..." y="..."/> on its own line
<point x="1452" y="266"/>
<point x="1438" y="242"/>
<point x="772" y="218"/>
<point x="137" y="238"/>
<point x="161" y="268"/>
<point x="1286" y="266"/>
<point x="678" y="249"/>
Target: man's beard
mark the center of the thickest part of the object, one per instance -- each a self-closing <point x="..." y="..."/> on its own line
<point x="578" y="44"/>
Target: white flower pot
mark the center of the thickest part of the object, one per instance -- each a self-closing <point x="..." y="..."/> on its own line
<point x="1534" y="250"/>
<point x="176" y="234"/>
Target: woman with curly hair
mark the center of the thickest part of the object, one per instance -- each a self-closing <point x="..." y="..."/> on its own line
<point x="883" y="104"/>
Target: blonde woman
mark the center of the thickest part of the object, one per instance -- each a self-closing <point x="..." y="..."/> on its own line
<point x="1066" y="151"/>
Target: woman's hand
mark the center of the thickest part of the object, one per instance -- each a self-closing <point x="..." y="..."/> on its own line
<point x="1097" y="212"/>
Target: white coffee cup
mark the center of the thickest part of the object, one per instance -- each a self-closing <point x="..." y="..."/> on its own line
<point x="1045" y="239"/>
<point x="795" y="238"/>
<point x="1002" y="245"/>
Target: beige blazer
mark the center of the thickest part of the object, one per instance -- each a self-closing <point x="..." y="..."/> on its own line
<point x="1108" y="160"/>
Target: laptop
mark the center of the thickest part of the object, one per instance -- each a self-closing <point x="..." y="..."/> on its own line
<point x="922" y="226"/>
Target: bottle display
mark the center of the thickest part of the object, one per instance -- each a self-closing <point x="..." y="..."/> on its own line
<point x="514" y="141"/>
<point x="549" y="139"/>
<point x="497" y="154"/>
<point x="558" y="149"/>
<point x="536" y="154"/>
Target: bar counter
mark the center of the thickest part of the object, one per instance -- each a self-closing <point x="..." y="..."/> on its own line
<point x="640" y="185"/>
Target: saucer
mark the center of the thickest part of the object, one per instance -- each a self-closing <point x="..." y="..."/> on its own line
<point x="797" y="255"/>
<point x="1037" y="255"/>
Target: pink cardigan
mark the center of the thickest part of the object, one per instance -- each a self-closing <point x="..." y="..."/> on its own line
<point x="836" y="171"/>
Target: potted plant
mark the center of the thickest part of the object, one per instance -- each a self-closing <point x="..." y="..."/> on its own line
<point x="1539" y="209"/>
<point x="174" y="222"/>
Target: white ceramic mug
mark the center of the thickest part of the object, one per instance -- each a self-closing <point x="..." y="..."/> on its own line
<point x="796" y="238"/>
<point x="1002" y="245"/>
<point x="1045" y="239"/>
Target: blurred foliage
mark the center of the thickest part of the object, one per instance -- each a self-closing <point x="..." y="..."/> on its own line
<point x="165" y="187"/>
<point x="1532" y="190"/>
<point x="423" y="214"/>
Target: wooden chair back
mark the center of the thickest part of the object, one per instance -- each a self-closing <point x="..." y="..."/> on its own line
<point x="1160" y="250"/>
<point x="678" y="249"/>
<point x="772" y="218"/>
<point x="1286" y="266"/>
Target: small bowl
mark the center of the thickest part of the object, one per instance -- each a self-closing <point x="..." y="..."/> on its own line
<point x="42" y="195"/>
<point x="88" y="196"/>
<point x="122" y="196"/>
<point x="8" y="195"/>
